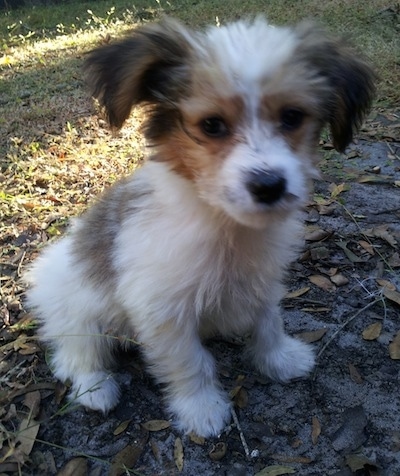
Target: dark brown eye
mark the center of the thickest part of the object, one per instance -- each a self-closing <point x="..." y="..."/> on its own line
<point x="214" y="127"/>
<point x="291" y="119"/>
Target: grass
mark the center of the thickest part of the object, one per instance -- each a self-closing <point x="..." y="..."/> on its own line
<point x="56" y="153"/>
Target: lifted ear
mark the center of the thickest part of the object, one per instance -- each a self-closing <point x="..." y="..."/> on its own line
<point x="350" y="81"/>
<point x="151" y="66"/>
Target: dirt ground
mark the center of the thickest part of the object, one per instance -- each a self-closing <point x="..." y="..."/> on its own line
<point x="344" y="419"/>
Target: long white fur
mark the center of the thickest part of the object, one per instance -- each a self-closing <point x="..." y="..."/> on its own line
<point x="192" y="259"/>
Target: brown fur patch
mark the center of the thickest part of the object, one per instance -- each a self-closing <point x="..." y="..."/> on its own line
<point x="188" y="149"/>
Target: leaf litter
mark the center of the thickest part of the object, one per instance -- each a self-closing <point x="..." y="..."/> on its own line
<point x="352" y="229"/>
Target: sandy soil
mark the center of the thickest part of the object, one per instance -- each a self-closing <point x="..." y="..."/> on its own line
<point x="344" y="419"/>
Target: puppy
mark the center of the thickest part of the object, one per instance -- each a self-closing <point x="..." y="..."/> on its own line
<point x="197" y="241"/>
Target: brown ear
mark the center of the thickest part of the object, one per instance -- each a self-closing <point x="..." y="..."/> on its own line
<point x="150" y="66"/>
<point x="351" y="82"/>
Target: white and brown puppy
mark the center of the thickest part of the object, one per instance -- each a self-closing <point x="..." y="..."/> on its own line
<point x="197" y="241"/>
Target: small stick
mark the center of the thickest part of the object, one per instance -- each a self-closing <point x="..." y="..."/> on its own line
<point x="242" y="438"/>
<point x="324" y="347"/>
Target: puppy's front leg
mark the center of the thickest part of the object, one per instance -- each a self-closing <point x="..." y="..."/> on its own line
<point x="276" y="354"/>
<point x="178" y="359"/>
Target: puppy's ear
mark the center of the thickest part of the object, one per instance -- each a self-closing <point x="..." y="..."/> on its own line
<point x="351" y="82"/>
<point x="150" y="66"/>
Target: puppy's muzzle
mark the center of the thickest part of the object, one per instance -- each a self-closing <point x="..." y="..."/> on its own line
<point x="266" y="187"/>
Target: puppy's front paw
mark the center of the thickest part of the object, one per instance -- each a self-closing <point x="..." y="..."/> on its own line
<point x="97" y="391"/>
<point x="290" y="359"/>
<point x="205" y="412"/>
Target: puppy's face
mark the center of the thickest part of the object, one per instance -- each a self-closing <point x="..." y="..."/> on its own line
<point x="236" y="110"/>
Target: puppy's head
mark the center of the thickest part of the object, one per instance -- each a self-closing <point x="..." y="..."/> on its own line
<point x="237" y="110"/>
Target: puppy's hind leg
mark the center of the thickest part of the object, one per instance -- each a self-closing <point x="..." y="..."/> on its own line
<point x="276" y="354"/>
<point x="84" y="360"/>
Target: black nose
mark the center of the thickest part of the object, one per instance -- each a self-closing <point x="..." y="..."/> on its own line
<point x="266" y="186"/>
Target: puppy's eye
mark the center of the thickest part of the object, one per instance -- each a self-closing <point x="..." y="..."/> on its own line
<point x="214" y="127"/>
<point x="291" y="119"/>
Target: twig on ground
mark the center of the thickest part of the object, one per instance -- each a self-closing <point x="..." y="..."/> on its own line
<point x="346" y="323"/>
<point x="242" y="438"/>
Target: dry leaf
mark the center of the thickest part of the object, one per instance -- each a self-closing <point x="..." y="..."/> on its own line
<point x="28" y="430"/>
<point x="126" y="458"/>
<point x="355" y="374"/>
<point x="394" y="260"/>
<point x="316" y="235"/>
<point x="178" y="454"/>
<point x="336" y="190"/>
<point x="373" y="331"/>
<point x="339" y="279"/>
<point x="322" y="282"/>
<point x="218" y="451"/>
<point x="156" y="425"/>
<point x="275" y="470"/>
<point x="121" y="427"/>
<point x="394" y="348"/>
<point x="386" y="284"/>
<point x="297" y="293"/>
<point x="382" y="232"/>
<point x="199" y="440"/>
<point x="392" y="295"/>
<point x="350" y="255"/>
<point x="316" y="430"/>
<point x="239" y="396"/>
<point x="32" y="401"/>
<point x="367" y="247"/>
<point x="74" y="467"/>
<point x="357" y="462"/>
<point x="312" y="336"/>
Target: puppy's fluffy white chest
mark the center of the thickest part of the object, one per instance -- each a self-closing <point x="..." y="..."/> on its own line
<point x="174" y="248"/>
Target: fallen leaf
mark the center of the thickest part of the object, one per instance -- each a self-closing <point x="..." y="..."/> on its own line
<point x="386" y="284"/>
<point x="32" y="401"/>
<point x="382" y="231"/>
<point x="74" y="467"/>
<point x="336" y="190"/>
<point x="316" y="430"/>
<point x="322" y="282"/>
<point x="156" y="425"/>
<point x="373" y="178"/>
<point x="121" y="427"/>
<point x="367" y="247"/>
<point x="312" y="336"/>
<point x="357" y="462"/>
<point x="28" y="430"/>
<point x="297" y="293"/>
<point x="394" y="260"/>
<point x="373" y="331"/>
<point x="275" y="470"/>
<point x="128" y="456"/>
<point x="199" y="440"/>
<point x="392" y="295"/>
<point x="240" y="397"/>
<point x="316" y="235"/>
<point x="319" y="253"/>
<point x="394" y="348"/>
<point x="350" y="255"/>
<point x="355" y="374"/>
<point x="178" y="454"/>
<point x="218" y="451"/>
<point x="339" y="279"/>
